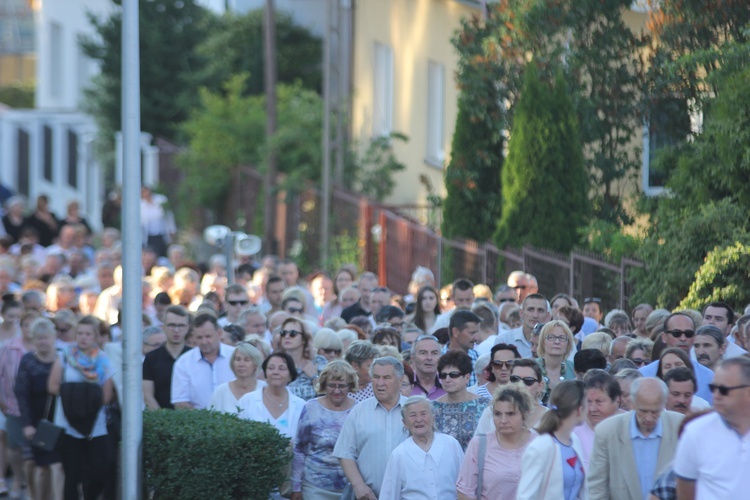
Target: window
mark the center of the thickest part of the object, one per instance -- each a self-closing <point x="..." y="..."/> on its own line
<point x="669" y="123"/>
<point x="56" y="60"/>
<point x="47" y="153"/>
<point x="383" y="91"/>
<point x="435" y="113"/>
<point x="72" y="159"/>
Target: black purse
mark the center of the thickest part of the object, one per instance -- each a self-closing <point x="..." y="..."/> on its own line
<point x="47" y="434"/>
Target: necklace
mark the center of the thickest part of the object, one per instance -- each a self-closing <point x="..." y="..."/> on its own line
<point x="279" y="404"/>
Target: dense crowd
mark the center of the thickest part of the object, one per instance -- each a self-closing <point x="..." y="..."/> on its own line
<point x="439" y="393"/>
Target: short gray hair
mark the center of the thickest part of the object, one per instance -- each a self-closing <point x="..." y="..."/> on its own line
<point x="415" y="400"/>
<point x="42" y="326"/>
<point x="398" y="367"/>
<point x="151" y="330"/>
<point x="628" y="374"/>
<point x="713" y="332"/>
<point x="638" y="383"/>
<point x="360" y="351"/>
<point x="622" y="338"/>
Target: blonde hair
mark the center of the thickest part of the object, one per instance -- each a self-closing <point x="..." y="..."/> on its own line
<point x="597" y="340"/>
<point x="546" y="329"/>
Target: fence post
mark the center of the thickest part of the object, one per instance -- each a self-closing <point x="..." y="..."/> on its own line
<point x="382" y="261"/>
<point x="365" y="222"/>
<point x="622" y="285"/>
<point x="572" y="274"/>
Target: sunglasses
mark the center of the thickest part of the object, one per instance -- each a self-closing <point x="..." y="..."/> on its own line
<point x="689" y="334"/>
<point x="588" y="300"/>
<point x="445" y="375"/>
<point x="294" y="310"/>
<point x="290" y="333"/>
<point x="332" y="351"/>
<point x="505" y="300"/>
<point x="528" y="381"/>
<point x="724" y="390"/>
<point x="501" y="364"/>
<point x="238" y="302"/>
<point x="639" y="361"/>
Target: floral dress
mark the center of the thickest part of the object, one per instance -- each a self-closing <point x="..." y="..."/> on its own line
<point x="459" y="419"/>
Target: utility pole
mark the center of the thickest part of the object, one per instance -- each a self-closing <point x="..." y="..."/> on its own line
<point x="132" y="416"/>
<point x="325" y="205"/>
<point x="269" y="184"/>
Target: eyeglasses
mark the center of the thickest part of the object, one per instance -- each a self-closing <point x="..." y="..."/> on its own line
<point x="63" y="330"/>
<point x="519" y="287"/>
<point x="290" y="333"/>
<point x="505" y="300"/>
<point x="724" y="390"/>
<point x="528" y="381"/>
<point x="176" y="326"/>
<point x="337" y="387"/>
<point x="689" y="334"/>
<point x="454" y="375"/>
<point x="563" y="339"/>
<point x="588" y="300"/>
<point x="238" y="302"/>
<point x="295" y="310"/>
<point x="332" y="351"/>
<point x="501" y="364"/>
<point x="639" y="361"/>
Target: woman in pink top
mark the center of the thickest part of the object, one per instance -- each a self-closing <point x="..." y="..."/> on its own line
<point x="500" y="471"/>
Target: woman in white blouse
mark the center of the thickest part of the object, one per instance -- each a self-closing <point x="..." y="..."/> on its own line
<point x="426" y="465"/>
<point x="275" y="403"/>
<point x="245" y="364"/>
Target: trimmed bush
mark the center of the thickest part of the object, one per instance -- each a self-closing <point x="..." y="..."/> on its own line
<point x="205" y="454"/>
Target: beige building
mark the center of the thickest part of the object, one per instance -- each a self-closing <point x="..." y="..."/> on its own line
<point x="403" y="81"/>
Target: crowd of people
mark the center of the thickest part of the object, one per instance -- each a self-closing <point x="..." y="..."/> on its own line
<point x="439" y="392"/>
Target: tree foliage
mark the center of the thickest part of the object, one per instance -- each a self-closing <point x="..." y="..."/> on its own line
<point x="238" y="48"/>
<point x="545" y="185"/>
<point x="19" y="95"/>
<point x="724" y="276"/>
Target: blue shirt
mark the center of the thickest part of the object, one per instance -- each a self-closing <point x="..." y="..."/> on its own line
<point x="646" y="452"/>
<point x="703" y="375"/>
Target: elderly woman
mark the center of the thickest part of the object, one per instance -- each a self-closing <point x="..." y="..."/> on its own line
<point x="384" y="335"/>
<point x="85" y="454"/>
<point x="33" y="398"/>
<point x="426" y="465"/>
<point x="555" y="343"/>
<point x="639" y="352"/>
<point x="458" y="411"/>
<point x="245" y="363"/>
<point x="498" y="370"/>
<point x="275" y="403"/>
<point x="315" y="472"/>
<point x="297" y="342"/>
<point x="492" y="466"/>
<point x="328" y="345"/>
<point x="360" y="355"/>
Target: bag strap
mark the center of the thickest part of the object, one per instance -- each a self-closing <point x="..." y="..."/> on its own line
<point x="480" y="463"/>
<point x="47" y="407"/>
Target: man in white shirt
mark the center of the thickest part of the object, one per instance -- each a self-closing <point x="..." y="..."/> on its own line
<point x="373" y="429"/>
<point x="713" y="455"/>
<point x="462" y="294"/>
<point x="202" y="369"/>
<point x="721" y="316"/>
<point x="535" y="309"/>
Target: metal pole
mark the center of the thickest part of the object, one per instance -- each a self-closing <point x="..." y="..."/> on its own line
<point x="269" y="39"/>
<point x="326" y="191"/>
<point x="132" y="418"/>
<point x="229" y="255"/>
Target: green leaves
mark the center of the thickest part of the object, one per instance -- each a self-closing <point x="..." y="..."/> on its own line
<point x="204" y="454"/>
<point x="724" y="276"/>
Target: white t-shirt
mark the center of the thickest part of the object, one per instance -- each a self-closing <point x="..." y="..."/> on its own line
<point x="716" y="457"/>
<point x="223" y="399"/>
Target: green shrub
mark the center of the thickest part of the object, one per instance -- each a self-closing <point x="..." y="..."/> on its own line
<point x="724" y="276"/>
<point x="204" y="454"/>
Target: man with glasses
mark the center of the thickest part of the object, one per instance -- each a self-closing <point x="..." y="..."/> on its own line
<point x="712" y="455"/>
<point x="504" y="294"/>
<point x="158" y="364"/>
<point x="679" y="331"/>
<point x="524" y="285"/>
<point x="235" y="300"/>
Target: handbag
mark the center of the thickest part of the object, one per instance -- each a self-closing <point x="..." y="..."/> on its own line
<point x="47" y="434"/>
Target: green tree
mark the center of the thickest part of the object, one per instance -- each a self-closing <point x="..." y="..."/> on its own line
<point x="169" y="35"/>
<point x="472" y="179"/>
<point x="237" y="47"/>
<point x="724" y="276"/>
<point x="545" y="184"/>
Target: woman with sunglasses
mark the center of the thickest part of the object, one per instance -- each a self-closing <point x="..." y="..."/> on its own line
<point x="426" y="309"/>
<point x="639" y="352"/>
<point x="315" y="472"/>
<point x="498" y="371"/>
<point x="275" y="403"/>
<point x="245" y="364"/>
<point x="328" y="345"/>
<point x="555" y="343"/>
<point x="457" y="412"/>
<point x="297" y="343"/>
<point x="499" y="451"/>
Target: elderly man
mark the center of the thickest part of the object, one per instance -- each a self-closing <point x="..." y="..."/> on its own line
<point x="632" y="449"/>
<point x="712" y="456"/>
<point x="425" y="356"/>
<point x="524" y="285"/>
<point x="603" y="396"/>
<point x="373" y="430"/>
<point x="679" y="331"/>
